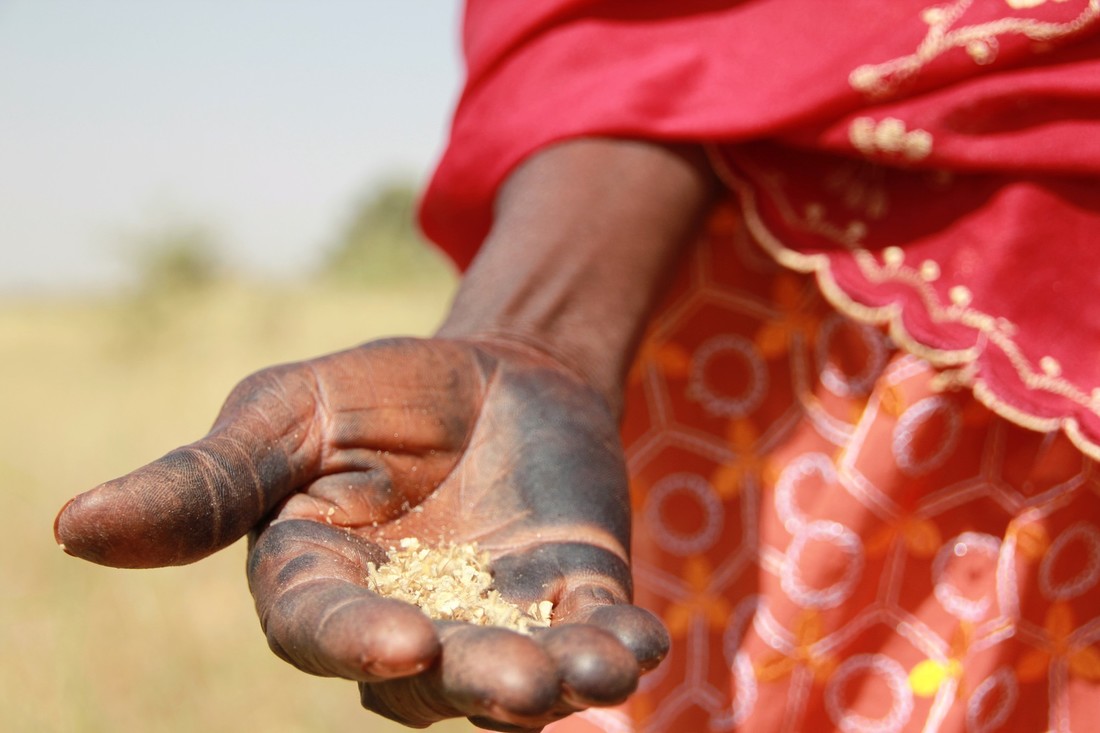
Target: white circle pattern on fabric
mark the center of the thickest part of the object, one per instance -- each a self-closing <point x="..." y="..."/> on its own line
<point x="802" y="467"/>
<point x="964" y="545"/>
<point x="833" y="533"/>
<point x="829" y="454"/>
<point x="901" y="704"/>
<point x="910" y="424"/>
<point x="1001" y="683"/>
<point x="1083" y="580"/>
<point x="741" y="667"/>
<point x="697" y="488"/>
<point x="835" y="380"/>
<point x="744" y="698"/>
<point x="725" y="405"/>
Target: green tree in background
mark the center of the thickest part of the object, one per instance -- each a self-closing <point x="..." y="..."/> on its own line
<point x="175" y="257"/>
<point x="381" y="244"/>
<point x="176" y="263"/>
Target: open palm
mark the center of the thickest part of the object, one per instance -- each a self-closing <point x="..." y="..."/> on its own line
<point x="330" y="461"/>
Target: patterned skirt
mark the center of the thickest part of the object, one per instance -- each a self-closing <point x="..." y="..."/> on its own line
<point x="863" y="426"/>
<point x="837" y="537"/>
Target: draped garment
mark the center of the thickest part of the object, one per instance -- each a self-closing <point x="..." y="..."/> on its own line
<point x="861" y="430"/>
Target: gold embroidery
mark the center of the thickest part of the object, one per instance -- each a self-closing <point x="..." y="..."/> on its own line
<point x="983" y="50"/>
<point x="960" y="295"/>
<point x="978" y="40"/>
<point x="893" y="256"/>
<point x="889" y="137"/>
<point x="930" y="271"/>
<point x="1050" y="366"/>
<point x="996" y="332"/>
<point x="1021" y="4"/>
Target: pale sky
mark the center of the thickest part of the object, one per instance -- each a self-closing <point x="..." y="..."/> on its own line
<point x="265" y="119"/>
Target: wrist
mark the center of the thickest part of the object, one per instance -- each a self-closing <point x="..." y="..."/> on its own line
<point x="585" y="235"/>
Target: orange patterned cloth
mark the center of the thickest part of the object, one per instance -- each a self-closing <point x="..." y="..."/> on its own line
<point x="862" y="428"/>
<point x="837" y="539"/>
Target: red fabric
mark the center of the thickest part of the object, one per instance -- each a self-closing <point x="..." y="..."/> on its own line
<point x="966" y="135"/>
<point x="726" y="71"/>
<point x="837" y="537"/>
<point x="1027" y="333"/>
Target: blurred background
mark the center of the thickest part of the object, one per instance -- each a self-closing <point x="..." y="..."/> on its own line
<point x="190" y="190"/>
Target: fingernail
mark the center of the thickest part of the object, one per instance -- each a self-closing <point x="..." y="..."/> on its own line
<point x="57" y="525"/>
<point x="397" y="670"/>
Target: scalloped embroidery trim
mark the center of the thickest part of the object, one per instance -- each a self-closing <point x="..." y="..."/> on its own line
<point x="958" y="363"/>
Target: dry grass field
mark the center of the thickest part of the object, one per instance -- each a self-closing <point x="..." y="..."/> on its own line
<point x="92" y="388"/>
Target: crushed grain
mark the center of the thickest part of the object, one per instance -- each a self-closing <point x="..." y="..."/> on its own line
<point x="451" y="583"/>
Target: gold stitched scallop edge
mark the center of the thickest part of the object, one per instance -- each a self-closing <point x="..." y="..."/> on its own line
<point x="959" y="363"/>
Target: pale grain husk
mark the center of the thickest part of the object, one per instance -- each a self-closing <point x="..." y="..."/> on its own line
<point x="451" y="583"/>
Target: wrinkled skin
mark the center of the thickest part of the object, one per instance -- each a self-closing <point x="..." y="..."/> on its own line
<point x="328" y="462"/>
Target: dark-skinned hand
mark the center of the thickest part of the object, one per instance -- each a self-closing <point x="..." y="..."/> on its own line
<point x="330" y="461"/>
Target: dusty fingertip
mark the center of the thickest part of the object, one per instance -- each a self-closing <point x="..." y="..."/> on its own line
<point x="69" y="526"/>
<point x="98" y="526"/>
<point x="596" y="668"/>
<point x="638" y="630"/>
<point x="404" y="644"/>
<point x="500" y="672"/>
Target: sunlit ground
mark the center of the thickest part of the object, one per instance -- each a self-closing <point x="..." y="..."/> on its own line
<point x="92" y="388"/>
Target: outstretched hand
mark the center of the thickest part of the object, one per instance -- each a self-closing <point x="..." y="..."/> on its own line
<point x="476" y="437"/>
<point x="331" y="461"/>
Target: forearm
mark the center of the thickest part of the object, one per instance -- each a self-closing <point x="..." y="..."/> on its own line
<point x="585" y="237"/>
